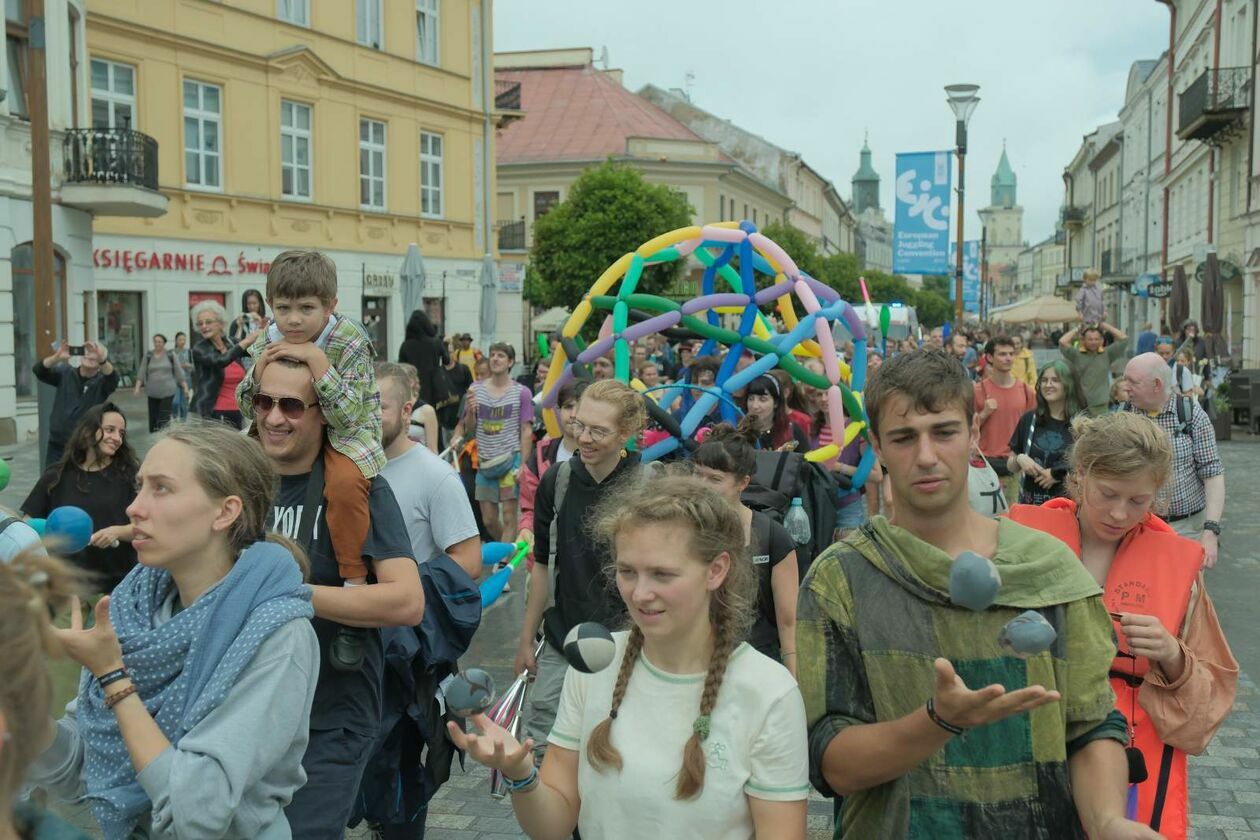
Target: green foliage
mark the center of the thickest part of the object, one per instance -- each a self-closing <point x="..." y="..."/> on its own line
<point x="609" y="211"/>
<point x="938" y="283"/>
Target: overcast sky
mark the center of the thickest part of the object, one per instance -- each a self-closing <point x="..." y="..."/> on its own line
<point x="813" y="78"/>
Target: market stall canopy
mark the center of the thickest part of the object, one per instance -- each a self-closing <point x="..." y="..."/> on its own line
<point x="1047" y="309"/>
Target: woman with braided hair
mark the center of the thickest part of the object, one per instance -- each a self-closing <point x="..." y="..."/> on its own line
<point x="690" y="732"/>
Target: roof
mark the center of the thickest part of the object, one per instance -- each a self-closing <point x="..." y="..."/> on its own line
<point x="1004" y="176"/>
<point x="579" y="113"/>
<point x="865" y="172"/>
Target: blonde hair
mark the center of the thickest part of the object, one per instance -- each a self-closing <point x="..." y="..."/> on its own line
<point x="227" y="463"/>
<point x="631" y="415"/>
<point x="1119" y="445"/>
<point x="714" y="527"/>
<point x="32" y="586"/>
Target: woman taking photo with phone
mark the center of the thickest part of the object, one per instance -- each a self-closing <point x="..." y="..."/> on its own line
<point x="193" y="713"/>
<point x="1174" y="677"/>
<point x="689" y="732"/>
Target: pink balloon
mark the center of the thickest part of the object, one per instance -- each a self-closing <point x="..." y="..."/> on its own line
<point x="771" y="249"/>
<point x="717" y="234"/>
<point x="606" y="328"/>
<point x="827" y="346"/>
<point x="835" y="410"/>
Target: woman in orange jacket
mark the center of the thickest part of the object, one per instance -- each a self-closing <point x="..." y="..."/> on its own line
<point x="1174" y="675"/>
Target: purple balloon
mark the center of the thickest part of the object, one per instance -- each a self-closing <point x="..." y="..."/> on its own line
<point x="597" y="349"/>
<point x="691" y="307"/>
<point x="774" y="292"/>
<point x="652" y="325"/>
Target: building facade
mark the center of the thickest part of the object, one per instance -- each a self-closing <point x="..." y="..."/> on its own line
<point x="1003" y="222"/>
<point x="354" y="128"/>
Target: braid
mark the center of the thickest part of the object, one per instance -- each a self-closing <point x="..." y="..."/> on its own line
<point x="599" y="749"/>
<point x="691" y="774"/>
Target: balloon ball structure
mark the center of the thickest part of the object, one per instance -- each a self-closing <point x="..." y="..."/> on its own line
<point x="70" y="526"/>
<point x="973" y="581"/>
<point x="4" y="474"/>
<point x="38" y="525"/>
<point x="470" y="692"/>
<point x="589" y="647"/>
<point x="1027" y="634"/>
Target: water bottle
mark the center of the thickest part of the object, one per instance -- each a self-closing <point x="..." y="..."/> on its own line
<point x="797" y="522"/>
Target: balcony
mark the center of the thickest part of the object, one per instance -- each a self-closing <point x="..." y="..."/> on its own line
<point x="111" y="172"/>
<point x="1214" y="106"/>
<point x="1073" y="217"/>
<point x="511" y="235"/>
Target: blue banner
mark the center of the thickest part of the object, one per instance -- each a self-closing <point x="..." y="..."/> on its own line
<point x="921" y="227"/>
<point x="971" y="274"/>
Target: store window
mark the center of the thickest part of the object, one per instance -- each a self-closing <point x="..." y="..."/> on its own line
<point x="113" y="94"/>
<point x="376" y="322"/>
<point x="119" y="326"/>
<point x="26" y="346"/>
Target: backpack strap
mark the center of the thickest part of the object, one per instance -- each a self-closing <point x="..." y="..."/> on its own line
<point x="1185" y="415"/>
<point x="314" y="495"/>
<point x="562" y="488"/>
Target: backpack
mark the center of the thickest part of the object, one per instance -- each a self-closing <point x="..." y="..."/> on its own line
<point x="564" y="471"/>
<point x="781" y="477"/>
<point x="1185" y="415"/>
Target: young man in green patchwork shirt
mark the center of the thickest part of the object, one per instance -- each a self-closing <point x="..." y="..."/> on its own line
<point x="917" y="716"/>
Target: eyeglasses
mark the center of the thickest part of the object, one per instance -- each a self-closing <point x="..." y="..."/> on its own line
<point x="201" y="324"/>
<point x="291" y="407"/>
<point x="597" y="433"/>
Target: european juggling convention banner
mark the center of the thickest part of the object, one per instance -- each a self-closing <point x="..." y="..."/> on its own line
<point x="921" y="226"/>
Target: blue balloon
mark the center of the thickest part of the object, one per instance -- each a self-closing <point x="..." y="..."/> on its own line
<point x="37" y="525"/>
<point x="70" y="526"/>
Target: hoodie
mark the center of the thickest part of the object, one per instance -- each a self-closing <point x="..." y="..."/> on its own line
<point x="423" y="350"/>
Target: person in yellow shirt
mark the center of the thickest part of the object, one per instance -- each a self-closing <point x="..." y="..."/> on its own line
<point x="1025" y="368"/>
<point x="466" y="354"/>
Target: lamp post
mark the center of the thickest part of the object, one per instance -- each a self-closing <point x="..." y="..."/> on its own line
<point x="963" y="100"/>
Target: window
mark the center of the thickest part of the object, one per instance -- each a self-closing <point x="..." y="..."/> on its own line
<point x="427" y="31"/>
<point x="430" y="175"/>
<point x="368" y="23"/>
<point x="294" y="11"/>
<point x="544" y="201"/>
<point x="74" y="67"/>
<point x="295" y="149"/>
<point x="203" y="107"/>
<point x="372" y="164"/>
<point x="113" y="94"/>
<point x="721" y="207"/>
<point x="17" y="41"/>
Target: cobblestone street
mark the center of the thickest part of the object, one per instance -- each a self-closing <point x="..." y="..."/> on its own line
<point x="1224" y="783"/>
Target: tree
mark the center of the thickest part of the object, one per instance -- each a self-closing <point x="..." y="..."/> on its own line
<point x="610" y="210"/>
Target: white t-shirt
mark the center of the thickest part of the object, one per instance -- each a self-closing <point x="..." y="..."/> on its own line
<point x="756" y="747"/>
<point x="433" y="501"/>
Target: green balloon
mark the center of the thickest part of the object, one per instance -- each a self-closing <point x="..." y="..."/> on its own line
<point x="885" y="317"/>
<point x="4" y="474"/>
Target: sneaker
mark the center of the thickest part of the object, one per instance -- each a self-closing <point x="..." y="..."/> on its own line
<point x="346" y="651"/>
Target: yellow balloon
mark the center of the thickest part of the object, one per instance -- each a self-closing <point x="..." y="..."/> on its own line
<point x="826" y="453"/>
<point x="853" y="430"/>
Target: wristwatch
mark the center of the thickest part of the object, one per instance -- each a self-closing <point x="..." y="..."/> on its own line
<point x="1213" y="526"/>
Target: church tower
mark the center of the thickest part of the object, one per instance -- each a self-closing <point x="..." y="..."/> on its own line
<point x="865" y="183"/>
<point x="1003" y="223"/>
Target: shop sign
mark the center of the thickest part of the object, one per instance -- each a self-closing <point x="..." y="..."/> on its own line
<point x="133" y="260"/>
<point x="511" y="276"/>
<point x="378" y="281"/>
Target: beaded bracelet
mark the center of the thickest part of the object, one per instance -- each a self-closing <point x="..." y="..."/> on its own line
<point x="112" y="700"/>
<point x="112" y="677"/>
<point x="524" y="785"/>
<point x="940" y="721"/>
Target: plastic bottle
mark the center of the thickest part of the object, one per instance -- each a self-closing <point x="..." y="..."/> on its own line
<point x="797" y="522"/>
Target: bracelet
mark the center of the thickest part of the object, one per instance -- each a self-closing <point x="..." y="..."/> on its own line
<point x="939" y="721"/>
<point x="112" y="700"/>
<point x="525" y="785"/>
<point x="111" y="677"/>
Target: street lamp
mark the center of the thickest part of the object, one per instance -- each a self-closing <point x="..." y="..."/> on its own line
<point x="963" y="100"/>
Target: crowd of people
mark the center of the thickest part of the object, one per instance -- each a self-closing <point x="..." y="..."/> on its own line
<point x="270" y="588"/>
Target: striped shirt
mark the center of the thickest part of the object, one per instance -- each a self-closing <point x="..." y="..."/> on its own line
<point x="1195" y="457"/>
<point x="499" y="419"/>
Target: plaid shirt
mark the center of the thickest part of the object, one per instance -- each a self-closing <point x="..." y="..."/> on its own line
<point x="347" y="394"/>
<point x="1195" y="458"/>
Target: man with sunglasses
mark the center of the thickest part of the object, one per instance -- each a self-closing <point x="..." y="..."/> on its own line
<point x="345" y="716"/>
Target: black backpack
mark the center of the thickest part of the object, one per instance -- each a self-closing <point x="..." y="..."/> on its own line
<point x="781" y="477"/>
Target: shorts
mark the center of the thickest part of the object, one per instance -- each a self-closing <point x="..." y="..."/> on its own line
<point x="501" y="489"/>
<point x="851" y="516"/>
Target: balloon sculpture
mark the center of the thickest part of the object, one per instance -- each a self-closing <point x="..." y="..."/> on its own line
<point x="736" y="253"/>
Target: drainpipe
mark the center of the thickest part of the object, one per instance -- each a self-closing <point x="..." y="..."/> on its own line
<point x="1168" y="109"/>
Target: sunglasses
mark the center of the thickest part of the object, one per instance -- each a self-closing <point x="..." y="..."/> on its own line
<point x="291" y="407"/>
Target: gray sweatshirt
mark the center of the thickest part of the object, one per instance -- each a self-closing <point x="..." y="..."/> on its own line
<point x="233" y="774"/>
<point x="161" y="376"/>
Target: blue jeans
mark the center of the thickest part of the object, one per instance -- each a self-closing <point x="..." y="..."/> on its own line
<point x="179" y="405"/>
<point x="334" y="764"/>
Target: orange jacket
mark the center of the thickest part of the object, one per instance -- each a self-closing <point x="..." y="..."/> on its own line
<point x="1153" y="573"/>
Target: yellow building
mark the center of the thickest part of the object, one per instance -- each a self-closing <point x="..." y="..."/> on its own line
<point x="355" y="127"/>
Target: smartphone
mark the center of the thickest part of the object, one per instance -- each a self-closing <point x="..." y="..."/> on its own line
<point x="76" y="349"/>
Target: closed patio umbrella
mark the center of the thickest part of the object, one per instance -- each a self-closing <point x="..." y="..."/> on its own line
<point x="1212" y="309"/>
<point x="1179" y="299"/>
<point x="489" y="300"/>
<point x="412" y="279"/>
